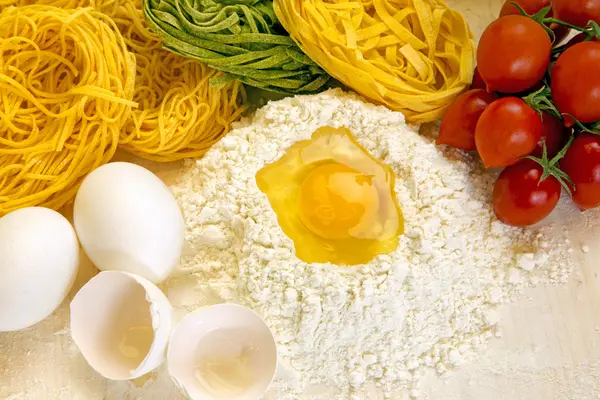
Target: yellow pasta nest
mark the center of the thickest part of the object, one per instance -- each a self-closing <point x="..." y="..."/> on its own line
<point x="66" y="88"/>
<point x="414" y="56"/>
<point x="55" y="3"/>
<point x="180" y="115"/>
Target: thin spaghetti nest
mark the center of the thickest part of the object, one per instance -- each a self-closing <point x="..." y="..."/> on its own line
<point x="180" y="115"/>
<point x="66" y="89"/>
<point x="55" y="3"/>
<point x="414" y="56"/>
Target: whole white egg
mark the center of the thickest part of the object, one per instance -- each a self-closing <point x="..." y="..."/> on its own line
<point x="128" y="220"/>
<point x="39" y="258"/>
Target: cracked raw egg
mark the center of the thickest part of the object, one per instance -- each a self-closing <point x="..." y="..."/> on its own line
<point x="333" y="199"/>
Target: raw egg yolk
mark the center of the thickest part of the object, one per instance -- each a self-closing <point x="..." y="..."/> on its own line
<point x="333" y="199"/>
<point x="336" y="199"/>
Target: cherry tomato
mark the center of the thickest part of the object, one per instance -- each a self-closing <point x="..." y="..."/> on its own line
<point x="513" y="54"/>
<point x="459" y="123"/>
<point x="582" y="164"/>
<point x="532" y="7"/>
<point x="577" y="12"/>
<point x="478" y="82"/>
<point x="507" y="130"/>
<point x="575" y="83"/>
<point x="520" y="199"/>
<point x="553" y="135"/>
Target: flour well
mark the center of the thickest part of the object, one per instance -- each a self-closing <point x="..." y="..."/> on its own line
<point x="428" y="304"/>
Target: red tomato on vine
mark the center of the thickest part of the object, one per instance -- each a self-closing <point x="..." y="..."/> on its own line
<point x="513" y="54"/>
<point x="532" y="7"/>
<point x="582" y="164"/>
<point x="507" y="130"/>
<point x="575" y="83"/>
<point x="520" y="198"/>
<point x="459" y="123"/>
<point x="478" y="82"/>
<point x="553" y="137"/>
<point x="577" y="12"/>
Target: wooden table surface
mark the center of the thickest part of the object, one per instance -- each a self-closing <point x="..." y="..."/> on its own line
<point x="549" y="348"/>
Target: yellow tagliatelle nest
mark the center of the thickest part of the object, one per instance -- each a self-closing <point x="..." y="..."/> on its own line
<point x="66" y="89"/>
<point x="414" y="56"/>
<point x="180" y="115"/>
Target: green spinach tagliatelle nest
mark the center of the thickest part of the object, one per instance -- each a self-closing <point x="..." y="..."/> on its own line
<point x="239" y="37"/>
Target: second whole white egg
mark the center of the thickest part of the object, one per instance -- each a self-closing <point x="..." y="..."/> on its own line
<point x="39" y="259"/>
<point x="128" y="220"/>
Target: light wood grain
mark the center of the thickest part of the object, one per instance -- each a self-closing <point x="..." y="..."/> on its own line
<point x="549" y="349"/>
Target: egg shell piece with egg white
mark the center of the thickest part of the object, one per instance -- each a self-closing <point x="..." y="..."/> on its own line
<point x="128" y="220"/>
<point x="39" y="259"/>
<point x="222" y="352"/>
<point x="121" y="324"/>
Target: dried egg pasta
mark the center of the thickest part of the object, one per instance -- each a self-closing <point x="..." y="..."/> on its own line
<point x="66" y="89"/>
<point x="56" y="3"/>
<point x="180" y="114"/>
<point x="414" y="56"/>
<point x="241" y="38"/>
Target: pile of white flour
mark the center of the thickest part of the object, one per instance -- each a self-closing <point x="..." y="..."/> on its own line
<point x="372" y="328"/>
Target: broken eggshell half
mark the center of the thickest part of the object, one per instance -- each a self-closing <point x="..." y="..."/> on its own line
<point x="121" y="323"/>
<point x="222" y="352"/>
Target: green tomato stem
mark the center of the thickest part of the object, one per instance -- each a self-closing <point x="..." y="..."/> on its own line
<point x="559" y="22"/>
<point x="551" y="168"/>
<point x="594" y="130"/>
<point x="541" y="101"/>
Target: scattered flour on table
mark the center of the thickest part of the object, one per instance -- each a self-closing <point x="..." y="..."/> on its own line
<point x="345" y="332"/>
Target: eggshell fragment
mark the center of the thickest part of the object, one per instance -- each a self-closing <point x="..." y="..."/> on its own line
<point x="121" y="323"/>
<point x="224" y="352"/>
<point x="39" y="259"/>
<point x="128" y="220"/>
